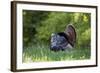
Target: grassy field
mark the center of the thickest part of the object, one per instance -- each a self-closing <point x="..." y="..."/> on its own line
<point x="40" y="53"/>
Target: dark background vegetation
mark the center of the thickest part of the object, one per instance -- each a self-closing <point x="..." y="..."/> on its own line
<point x="38" y="27"/>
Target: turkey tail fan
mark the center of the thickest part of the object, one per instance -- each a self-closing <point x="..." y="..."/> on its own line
<point x="71" y="33"/>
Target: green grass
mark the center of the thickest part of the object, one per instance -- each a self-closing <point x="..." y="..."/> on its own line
<point x="40" y="53"/>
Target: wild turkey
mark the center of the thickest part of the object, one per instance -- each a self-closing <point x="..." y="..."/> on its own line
<point x="63" y="40"/>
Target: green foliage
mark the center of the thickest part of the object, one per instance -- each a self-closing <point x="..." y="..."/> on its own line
<point x="84" y="40"/>
<point x="54" y="23"/>
<point x="39" y="25"/>
<point x="31" y="20"/>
